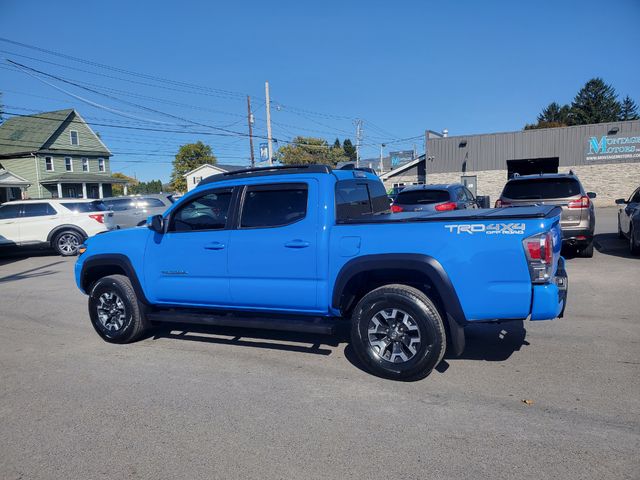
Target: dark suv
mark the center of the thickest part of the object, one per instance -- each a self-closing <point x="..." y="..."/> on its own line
<point x="578" y="219"/>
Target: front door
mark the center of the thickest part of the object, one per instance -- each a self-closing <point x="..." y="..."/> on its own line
<point x="187" y="265"/>
<point x="273" y="252"/>
<point x="9" y="224"/>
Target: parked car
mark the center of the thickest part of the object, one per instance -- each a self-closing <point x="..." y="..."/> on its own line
<point x="434" y="198"/>
<point x="61" y="224"/>
<point x="629" y="221"/>
<point x="578" y="219"/>
<point x="310" y="248"/>
<point x="132" y="211"/>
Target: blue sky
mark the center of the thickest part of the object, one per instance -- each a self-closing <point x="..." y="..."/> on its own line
<point x="403" y="67"/>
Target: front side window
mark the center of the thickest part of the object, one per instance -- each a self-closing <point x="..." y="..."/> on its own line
<point x="37" y="210"/>
<point x="48" y="164"/>
<point x="85" y="164"/>
<point x="68" y="164"/>
<point x="208" y="212"/>
<point x="276" y="205"/>
<point x="101" y="166"/>
<point x="74" y="137"/>
<point x="9" y="211"/>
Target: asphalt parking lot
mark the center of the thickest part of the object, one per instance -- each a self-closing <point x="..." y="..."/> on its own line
<point x="230" y="403"/>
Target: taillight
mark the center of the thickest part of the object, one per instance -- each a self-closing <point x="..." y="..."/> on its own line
<point x="582" y="202"/>
<point x="443" y="207"/>
<point x="539" y="251"/>
<point x="98" y="217"/>
<point x="396" y="208"/>
<point x="501" y="203"/>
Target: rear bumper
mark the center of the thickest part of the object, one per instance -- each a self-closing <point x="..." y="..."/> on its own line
<point x="576" y="236"/>
<point x="550" y="299"/>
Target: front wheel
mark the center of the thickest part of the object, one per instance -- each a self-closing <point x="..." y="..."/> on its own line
<point x="114" y="309"/>
<point x="397" y="332"/>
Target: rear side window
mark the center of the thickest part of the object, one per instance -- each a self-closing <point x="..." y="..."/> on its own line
<point x="9" y="211"/>
<point x="274" y="205"/>
<point x="37" y="210"/>
<point x="83" y="207"/>
<point x="208" y="212"/>
<point x="355" y="198"/>
<point x="541" y="188"/>
<point x="415" y="197"/>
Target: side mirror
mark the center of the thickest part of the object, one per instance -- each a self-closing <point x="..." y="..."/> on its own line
<point x="156" y="223"/>
<point x="591" y="195"/>
<point x="621" y="201"/>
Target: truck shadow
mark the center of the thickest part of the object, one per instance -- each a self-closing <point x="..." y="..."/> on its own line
<point x="247" y="337"/>
<point x="610" y="244"/>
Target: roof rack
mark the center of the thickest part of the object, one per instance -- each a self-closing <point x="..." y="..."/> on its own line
<point x="264" y="171"/>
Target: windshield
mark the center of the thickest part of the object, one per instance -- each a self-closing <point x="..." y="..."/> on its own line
<point x="413" y="197"/>
<point x="542" y="188"/>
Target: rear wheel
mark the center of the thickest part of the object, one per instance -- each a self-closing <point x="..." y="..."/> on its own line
<point x="114" y="309"/>
<point x="67" y="242"/>
<point x="397" y="332"/>
<point x="587" y="252"/>
<point x="634" y="243"/>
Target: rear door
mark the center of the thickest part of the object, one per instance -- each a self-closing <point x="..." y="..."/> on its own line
<point x="273" y="251"/>
<point x="37" y="221"/>
<point x="10" y="224"/>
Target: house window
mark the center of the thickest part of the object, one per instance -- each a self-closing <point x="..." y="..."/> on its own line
<point x="101" y="167"/>
<point x="48" y="164"/>
<point x="74" y="137"/>
<point x="197" y="180"/>
<point x="68" y="164"/>
<point x="85" y="164"/>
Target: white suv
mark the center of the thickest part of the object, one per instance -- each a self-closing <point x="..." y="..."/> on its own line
<point x="60" y="223"/>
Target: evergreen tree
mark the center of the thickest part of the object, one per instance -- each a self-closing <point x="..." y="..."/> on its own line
<point x="554" y="113"/>
<point x="336" y="144"/>
<point x="349" y="149"/>
<point x="596" y="102"/>
<point x="629" y="109"/>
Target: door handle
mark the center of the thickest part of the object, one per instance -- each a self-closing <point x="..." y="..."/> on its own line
<point x="297" y="244"/>
<point x="215" y="246"/>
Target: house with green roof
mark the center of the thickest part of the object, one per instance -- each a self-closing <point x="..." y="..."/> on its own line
<point x="53" y="155"/>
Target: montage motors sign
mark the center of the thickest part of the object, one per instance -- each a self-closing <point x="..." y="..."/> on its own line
<point x="608" y="147"/>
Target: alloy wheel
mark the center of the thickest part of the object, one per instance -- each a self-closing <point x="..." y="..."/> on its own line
<point x="111" y="311"/>
<point x="68" y="243"/>
<point x="394" y="335"/>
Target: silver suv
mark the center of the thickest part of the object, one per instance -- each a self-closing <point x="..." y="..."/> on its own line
<point x="578" y="219"/>
<point x="133" y="210"/>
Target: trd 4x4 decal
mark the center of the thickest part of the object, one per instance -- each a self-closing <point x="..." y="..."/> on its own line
<point x="490" y="229"/>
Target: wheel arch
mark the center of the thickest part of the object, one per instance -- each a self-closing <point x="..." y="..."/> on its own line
<point x="99" y="266"/>
<point x="64" y="227"/>
<point x="363" y="274"/>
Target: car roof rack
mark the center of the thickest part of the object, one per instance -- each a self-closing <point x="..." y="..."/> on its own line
<point x="265" y="171"/>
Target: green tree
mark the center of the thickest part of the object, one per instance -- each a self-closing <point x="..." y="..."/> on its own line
<point x="336" y="144"/>
<point x="118" y="189"/>
<point x="190" y="156"/>
<point x="629" y="109"/>
<point x="310" y="150"/>
<point x="554" y="113"/>
<point x="596" y="102"/>
<point x="349" y="150"/>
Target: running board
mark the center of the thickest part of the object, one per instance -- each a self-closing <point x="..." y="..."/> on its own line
<point x="321" y="325"/>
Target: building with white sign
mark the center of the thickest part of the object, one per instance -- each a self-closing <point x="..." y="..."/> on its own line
<point x="605" y="156"/>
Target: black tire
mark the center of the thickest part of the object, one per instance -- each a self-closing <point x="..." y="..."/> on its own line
<point x="634" y="248"/>
<point x="371" y="312"/>
<point x="587" y="252"/>
<point x="116" y="314"/>
<point x="67" y="242"/>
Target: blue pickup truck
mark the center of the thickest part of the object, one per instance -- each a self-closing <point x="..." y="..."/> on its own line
<point x="307" y="248"/>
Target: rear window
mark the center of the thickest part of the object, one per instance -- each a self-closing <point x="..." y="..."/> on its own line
<point x="541" y="188"/>
<point x="83" y="207"/>
<point x="120" y="204"/>
<point x="414" y="197"/>
<point x="355" y="198"/>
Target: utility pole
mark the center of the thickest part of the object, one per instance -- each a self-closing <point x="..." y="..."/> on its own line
<point x="250" y="121"/>
<point x="358" y="138"/>
<point x="269" y="145"/>
<point x="382" y="145"/>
